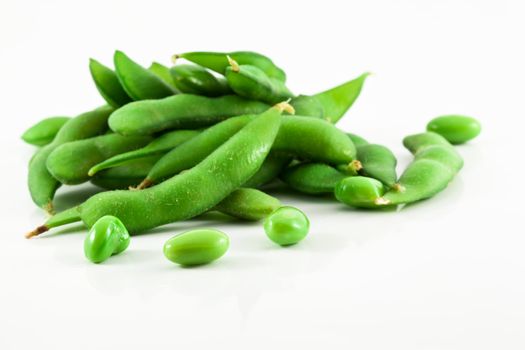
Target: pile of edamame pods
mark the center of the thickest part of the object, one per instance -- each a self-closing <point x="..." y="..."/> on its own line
<point x="172" y="143"/>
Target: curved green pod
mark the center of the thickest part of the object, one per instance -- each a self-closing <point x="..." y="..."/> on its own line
<point x="158" y="146"/>
<point x="108" y="84"/>
<point x="196" y="247"/>
<point x="139" y="82"/>
<point x="378" y="162"/>
<point x="456" y="129"/>
<point x="70" y="162"/>
<point x="357" y="140"/>
<point x="212" y="180"/>
<point x="193" y="79"/>
<point x="182" y="111"/>
<point x="308" y="106"/>
<point x="42" y="185"/>
<point x="163" y="73"/>
<point x="43" y="132"/>
<point x="269" y="170"/>
<point x="107" y="237"/>
<point x="312" y="178"/>
<point x="218" y="61"/>
<point x="248" y="204"/>
<point x="125" y="176"/>
<point x="251" y="82"/>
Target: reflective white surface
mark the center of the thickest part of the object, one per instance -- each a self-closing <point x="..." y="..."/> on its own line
<point x="447" y="273"/>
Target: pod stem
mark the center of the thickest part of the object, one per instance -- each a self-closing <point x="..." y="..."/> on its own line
<point x="397" y="187"/>
<point x="37" y="231"/>
<point x="144" y="184"/>
<point x="174" y="58"/>
<point x="49" y="208"/>
<point x="354" y="166"/>
<point x="285" y="106"/>
<point x="381" y="201"/>
<point x="233" y="64"/>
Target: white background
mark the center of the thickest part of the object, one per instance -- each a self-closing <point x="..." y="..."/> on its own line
<point x="447" y="273"/>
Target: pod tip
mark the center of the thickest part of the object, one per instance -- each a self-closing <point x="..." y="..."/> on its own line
<point x="49" y="208"/>
<point x="398" y="187"/>
<point x="233" y="64"/>
<point x="381" y="201"/>
<point x="355" y="165"/>
<point x="144" y="184"/>
<point x="37" y="231"/>
<point x="174" y="58"/>
<point x="285" y="106"/>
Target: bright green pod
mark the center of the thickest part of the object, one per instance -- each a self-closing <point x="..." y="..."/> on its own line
<point x="125" y="176"/>
<point x="158" y="146"/>
<point x="269" y="170"/>
<point x="195" y="191"/>
<point x="43" y="132"/>
<point x="70" y="163"/>
<point x="139" y="82"/>
<point x="359" y="191"/>
<point x="251" y="82"/>
<point x="308" y="106"/>
<point x="456" y="129"/>
<point x="182" y="111"/>
<point x="287" y="226"/>
<point x="248" y="204"/>
<point x="218" y="61"/>
<point x="193" y="79"/>
<point x="312" y="178"/>
<point x="108" y="84"/>
<point x="42" y="185"/>
<point x="196" y="247"/>
<point x="107" y="237"/>
<point x="417" y="142"/>
<point x="163" y="73"/>
<point x="378" y="162"/>
<point x="357" y="140"/>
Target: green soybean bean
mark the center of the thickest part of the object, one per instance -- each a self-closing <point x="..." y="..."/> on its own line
<point x="218" y="62"/>
<point x="248" y="204"/>
<point x="108" y="84"/>
<point x="357" y="140"/>
<point x="192" y="79"/>
<point x="42" y="185"/>
<point x="163" y="73"/>
<point x="307" y="138"/>
<point x="359" y="191"/>
<point x="312" y="178"/>
<point x="138" y="82"/>
<point x="378" y="162"/>
<point x="196" y="190"/>
<point x="269" y="170"/>
<point x="251" y="82"/>
<point x="69" y="163"/>
<point x="44" y="131"/>
<point x="456" y="129"/>
<point x="182" y="111"/>
<point x="107" y="237"/>
<point x="287" y="226"/>
<point x="125" y="176"/>
<point x="196" y="247"/>
<point x="158" y="146"/>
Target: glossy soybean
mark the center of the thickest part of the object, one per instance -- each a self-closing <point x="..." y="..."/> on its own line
<point x="196" y="247"/>
<point x="197" y="80"/>
<point x="108" y="84"/>
<point x="43" y="132"/>
<point x="287" y="226"/>
<point x="456" y="129"/>
<point x="107" y="237"/>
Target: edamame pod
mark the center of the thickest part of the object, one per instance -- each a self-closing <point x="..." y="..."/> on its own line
<point x="69" y="163"/>
<point x="251" y="82"/>
<point x="42" y="185"/>
<point x="125" y="176"/>
<point x="182" y="111"/>
<point x="357" y="140"/>
<point x="108" y="84"/>
<point x="308" y="106"/>
<point x="218" y="62"/>
<point x="248" y="204"/>
<point x="44" y="131"/>
<point x="138" y="82"/>
<point x="163" y="73"/>
<point x="196" y="247"/>
<point x="159" y="146"/>
<point x="192" y="79"/>
<point x="378" y="162"/>
<point x="269" y="170"/>
<point x="312" y="178"/>
<point x="196" y="190"/>
<point x="456" y="129"/>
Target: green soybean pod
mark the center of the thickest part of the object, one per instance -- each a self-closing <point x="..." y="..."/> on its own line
<point x="417" y="142"/>
<point x="269" y="170"/>
<point x="379" y="162"/>
<point x="251" y="82"/>
<point x="196" y="247"/>
<point x="158" y="146"/>
<point x="360" y="192"/>
<point x="218" y="62"/>
<point x="69" y="163"/>
<point x="42" y="185"/>
<point x="248" y="204"/>
<point x="108" y="84"/>
<point x="182" y="111"/>
<point x="357" y="140"/>
<point x="312" y="178"/>
<point x="163" y="73"/>
<point x="138" y="82"/>
<point x="125" y="176"/>
<point x="193" y="79"/>
<point x="212" y="180"/>
<point x="43" y="132"/>
<point x="307" y="106"/>
<point x="107" y="237"/>
<point x="456" y="129"/>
